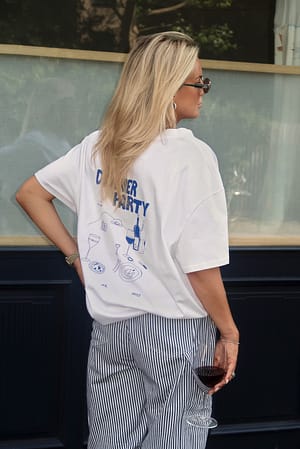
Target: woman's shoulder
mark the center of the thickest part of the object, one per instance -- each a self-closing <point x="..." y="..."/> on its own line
<point x="183" y="136"/>
<point x="189" y="147"/>
<point x="85" y="147"/>
<point x="91" y="139"/>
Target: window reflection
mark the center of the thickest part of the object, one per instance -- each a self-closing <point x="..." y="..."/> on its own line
<point x="238" y="30"/>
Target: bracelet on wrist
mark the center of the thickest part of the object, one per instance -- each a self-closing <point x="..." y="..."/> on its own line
<point x="71" y="259"/>
<point x="230" y="341"/>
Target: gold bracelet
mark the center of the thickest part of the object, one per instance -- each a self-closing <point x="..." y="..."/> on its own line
<point x="71" y="259"/>
<point x="230" y="341"/>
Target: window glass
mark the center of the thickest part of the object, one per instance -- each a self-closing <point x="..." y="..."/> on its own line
<point x="47" y="106"/>
<point x="251" y="120"/>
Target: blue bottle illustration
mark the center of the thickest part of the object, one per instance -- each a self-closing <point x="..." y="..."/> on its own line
<point x="137" y="235"/>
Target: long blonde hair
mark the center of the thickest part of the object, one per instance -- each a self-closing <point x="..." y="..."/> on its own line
<point x="142" y="105"/>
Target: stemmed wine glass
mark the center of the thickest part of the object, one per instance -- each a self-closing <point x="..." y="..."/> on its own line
<point x="206" y="376"/>
<point x="93" y="240"/>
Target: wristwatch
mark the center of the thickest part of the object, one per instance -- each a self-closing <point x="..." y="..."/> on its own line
<point x="71" y="259"/>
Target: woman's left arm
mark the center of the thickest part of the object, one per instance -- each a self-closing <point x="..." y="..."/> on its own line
<point x="38" y="204"/>
<point x="209" y="288"/>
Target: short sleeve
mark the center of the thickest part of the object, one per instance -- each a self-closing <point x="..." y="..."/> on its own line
<point x="61" y="178"/>
<point x="203" y="242"/>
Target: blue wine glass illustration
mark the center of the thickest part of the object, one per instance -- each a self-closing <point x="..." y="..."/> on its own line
<point x="93" y="240"/>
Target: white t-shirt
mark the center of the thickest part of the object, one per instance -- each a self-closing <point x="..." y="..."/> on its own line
<point x="171" y="220"/>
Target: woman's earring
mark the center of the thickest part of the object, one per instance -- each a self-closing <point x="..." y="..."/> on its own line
<point x="174" y="105"/>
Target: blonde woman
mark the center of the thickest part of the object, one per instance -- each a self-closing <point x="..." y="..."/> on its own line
<point x="152" y="234"/>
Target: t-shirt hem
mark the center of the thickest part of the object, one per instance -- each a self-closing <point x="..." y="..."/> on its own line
<point x="106" y="320"/>
<point x="205" y="266"/>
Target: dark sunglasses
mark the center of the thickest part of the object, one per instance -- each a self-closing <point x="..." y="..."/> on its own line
<point x="205" y="85"/>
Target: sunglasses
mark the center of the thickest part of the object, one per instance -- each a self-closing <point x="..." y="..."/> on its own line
<point x="205" y="85"/>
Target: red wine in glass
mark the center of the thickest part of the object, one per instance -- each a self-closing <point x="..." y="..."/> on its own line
<point x="210" y="375"/>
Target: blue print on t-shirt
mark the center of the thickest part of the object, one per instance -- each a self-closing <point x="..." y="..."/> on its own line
<point x="128" y="201"/>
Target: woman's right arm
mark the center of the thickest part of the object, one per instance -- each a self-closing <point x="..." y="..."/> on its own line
<point x="38" y="204"/>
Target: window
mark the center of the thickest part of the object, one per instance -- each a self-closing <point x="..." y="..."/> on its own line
<point x="237" y="30"/>
<point x="250" y="118"/>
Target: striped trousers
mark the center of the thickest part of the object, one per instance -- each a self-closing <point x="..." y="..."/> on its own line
<point x="139" y="385"/>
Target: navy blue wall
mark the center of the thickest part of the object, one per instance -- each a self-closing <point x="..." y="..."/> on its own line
<point x="44" y="338"/>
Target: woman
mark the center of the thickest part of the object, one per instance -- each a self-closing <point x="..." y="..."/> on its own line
<point x="152" y="234"/>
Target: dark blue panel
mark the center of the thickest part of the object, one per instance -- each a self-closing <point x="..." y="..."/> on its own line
<point x="44" y="339"/>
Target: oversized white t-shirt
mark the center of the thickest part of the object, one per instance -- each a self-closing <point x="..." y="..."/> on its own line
<point x="136" y="250"/>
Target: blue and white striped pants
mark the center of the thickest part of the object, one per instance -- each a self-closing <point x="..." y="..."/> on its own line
<point x="140" y="386"/>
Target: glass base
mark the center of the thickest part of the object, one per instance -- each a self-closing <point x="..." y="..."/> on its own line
<point x="198" y="421"/>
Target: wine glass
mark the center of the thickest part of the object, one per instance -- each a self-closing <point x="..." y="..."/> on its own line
<point x="93" y="240"/>
<point x="206" y="376"/>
